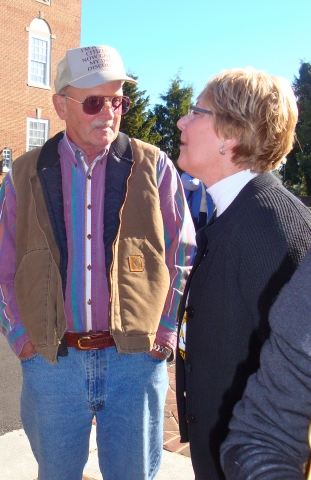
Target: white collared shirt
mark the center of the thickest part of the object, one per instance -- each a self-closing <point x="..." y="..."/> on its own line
<point x="224" y="192"/>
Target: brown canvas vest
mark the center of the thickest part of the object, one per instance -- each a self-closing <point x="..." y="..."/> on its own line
<point x="139" y="278"/>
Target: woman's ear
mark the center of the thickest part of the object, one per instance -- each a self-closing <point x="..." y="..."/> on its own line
<point x="229" y="144"/>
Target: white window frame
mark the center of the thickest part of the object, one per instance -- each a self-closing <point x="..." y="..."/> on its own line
<point x="46" y="132"/>
<point x="46" y="2"/>
<point x="45" y="37"/>
<point x="6" y="160"/>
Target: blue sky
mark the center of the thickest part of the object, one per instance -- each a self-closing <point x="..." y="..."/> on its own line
<point x="198" y="38"/>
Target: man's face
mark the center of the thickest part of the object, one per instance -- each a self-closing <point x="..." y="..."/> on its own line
<point x="91" y="133"/>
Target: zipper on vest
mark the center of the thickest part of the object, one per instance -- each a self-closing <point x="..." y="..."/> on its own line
<point x="56" y="337"/>
<point x="114" y="243"/>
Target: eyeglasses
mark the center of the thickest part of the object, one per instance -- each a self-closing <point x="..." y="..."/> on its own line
<point x="94" y="104"/>
<point x="192" y="111"/>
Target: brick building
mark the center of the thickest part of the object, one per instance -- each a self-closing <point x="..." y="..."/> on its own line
<point x="35" y="36"/>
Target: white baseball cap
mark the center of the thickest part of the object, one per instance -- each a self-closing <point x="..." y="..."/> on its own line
<point x="88" y="67"/>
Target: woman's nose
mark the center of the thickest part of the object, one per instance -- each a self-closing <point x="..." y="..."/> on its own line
<point x="182" y="122"/>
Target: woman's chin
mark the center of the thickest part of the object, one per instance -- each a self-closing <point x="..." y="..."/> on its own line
<point x="181" y="163"/>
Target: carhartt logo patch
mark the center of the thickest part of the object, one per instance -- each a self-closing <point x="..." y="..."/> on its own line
<point x="136" y="263"/>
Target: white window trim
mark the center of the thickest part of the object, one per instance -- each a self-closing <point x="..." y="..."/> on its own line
<point x="4" y="168"/>
<point x="45" y="38"/>
<point x="37" y="120"/>
<point x="47" y="2"/>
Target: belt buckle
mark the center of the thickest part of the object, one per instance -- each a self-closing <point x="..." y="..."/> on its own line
<point x="80" y="346"/>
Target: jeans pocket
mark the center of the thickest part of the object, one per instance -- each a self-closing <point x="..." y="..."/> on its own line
<point x="156" y="359"/>
<point x="29" y="359"/>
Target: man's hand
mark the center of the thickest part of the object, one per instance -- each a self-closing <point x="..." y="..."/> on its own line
<point x="27" y="350"/>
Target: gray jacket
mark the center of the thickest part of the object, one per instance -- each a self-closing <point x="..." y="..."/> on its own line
<point x="269" y="429"/>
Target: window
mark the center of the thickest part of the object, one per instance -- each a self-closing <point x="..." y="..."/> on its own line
<point x="6" y="159"/>
<point x="37" y="133"/>
<point x="39" y="61"/>
<point x="47" y="2"/>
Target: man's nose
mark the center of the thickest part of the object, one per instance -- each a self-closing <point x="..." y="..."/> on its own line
<point x="107" y="108"/>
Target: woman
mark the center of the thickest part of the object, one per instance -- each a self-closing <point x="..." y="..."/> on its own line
<point x="241" y="128"/>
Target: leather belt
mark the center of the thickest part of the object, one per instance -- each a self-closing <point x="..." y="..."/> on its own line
<point x="89" y="340"/>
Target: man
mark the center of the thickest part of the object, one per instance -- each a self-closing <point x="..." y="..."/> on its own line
<point x="96" y="243"/>
<point x="200" y="202"/>
<point x="268" y="436"/>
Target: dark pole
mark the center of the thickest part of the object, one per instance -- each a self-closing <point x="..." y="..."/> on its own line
<point x="283" y="169"/>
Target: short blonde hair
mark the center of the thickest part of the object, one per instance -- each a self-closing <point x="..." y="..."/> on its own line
<point x="258" y="110"/>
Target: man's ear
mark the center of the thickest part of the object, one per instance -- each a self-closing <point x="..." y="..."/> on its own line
<point x="60" y="106"/>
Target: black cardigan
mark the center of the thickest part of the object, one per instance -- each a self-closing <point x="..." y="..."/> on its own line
<point x="244" y="258"/>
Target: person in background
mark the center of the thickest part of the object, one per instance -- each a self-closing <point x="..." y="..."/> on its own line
<point x="199" y="200"/>
<point x="96" y="242"/>
<point x="268" y="437"/>
<point x="240" y="129"/>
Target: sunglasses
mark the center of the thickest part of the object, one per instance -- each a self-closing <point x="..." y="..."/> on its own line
<point x="94" y="104"/>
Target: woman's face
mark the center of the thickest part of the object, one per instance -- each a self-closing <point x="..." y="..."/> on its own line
<point x="199" y="149"/>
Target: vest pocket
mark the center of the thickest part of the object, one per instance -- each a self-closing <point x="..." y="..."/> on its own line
<point x="36" y="287"/>
<point x="143" y="284"/>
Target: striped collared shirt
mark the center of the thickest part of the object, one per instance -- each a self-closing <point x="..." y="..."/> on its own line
<point x="87" y="297"/>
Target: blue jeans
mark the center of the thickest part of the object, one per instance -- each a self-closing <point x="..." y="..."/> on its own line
<point x="126" y="393"/>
